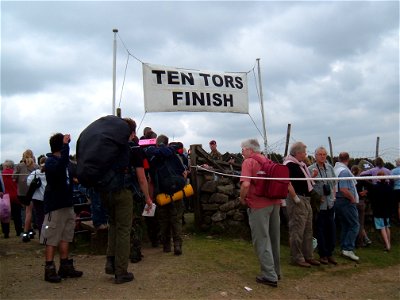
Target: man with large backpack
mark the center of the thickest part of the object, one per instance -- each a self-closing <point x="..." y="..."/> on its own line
<point x="263" y="215"/>
<point x="168" y="176"/>
<point x="103" y="162"/>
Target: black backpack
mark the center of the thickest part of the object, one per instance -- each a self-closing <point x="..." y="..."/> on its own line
<point x="102" y="153"/>
<point x="166" y="179"/>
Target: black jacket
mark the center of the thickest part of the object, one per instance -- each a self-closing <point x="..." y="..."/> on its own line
<point x="58" y="192"/>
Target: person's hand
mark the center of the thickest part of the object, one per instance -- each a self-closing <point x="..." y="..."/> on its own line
<point x="315" y="173"/>
<point x="363" y="193"/>
<point x="242" y="201"/>
<point x="296" y="199"/>
<point x="149" y="204"/>
<point x="67" y="138"/>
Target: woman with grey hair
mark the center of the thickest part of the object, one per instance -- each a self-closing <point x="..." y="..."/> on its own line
<point x="299" y="208"/>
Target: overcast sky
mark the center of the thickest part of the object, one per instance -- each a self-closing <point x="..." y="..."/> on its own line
<point x="330" y="69"/>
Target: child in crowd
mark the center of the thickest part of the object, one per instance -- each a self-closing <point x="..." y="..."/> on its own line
<point x="381" y="207"/>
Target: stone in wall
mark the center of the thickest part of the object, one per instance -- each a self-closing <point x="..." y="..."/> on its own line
<point x="218" y="216"/>
<point x="224" y="181"/>
<point x="213" y="206"/>
<point x="205" y="198"/>
<point x="218" y="198"/>
<point x="238" y="216"/>
<point x="228" y="189"/>
<point x="229" y="205"/>
<point x="209" y="186"/>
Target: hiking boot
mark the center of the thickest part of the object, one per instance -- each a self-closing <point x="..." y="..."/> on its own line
<point x="350" y="254"/>
<point x="67" y="269"/>
<point x="110" y="265"/>
<point x="177" y="250"/>
<point x="137" y="257"/>
<point x="50" y="274"/>
<point x="25" y="237"/>
<point x="128" y="276"/>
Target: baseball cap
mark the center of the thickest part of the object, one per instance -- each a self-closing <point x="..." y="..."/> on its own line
<point x="213" y="142"/>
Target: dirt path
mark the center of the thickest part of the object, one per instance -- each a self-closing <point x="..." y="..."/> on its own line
<point x="164" y="276"/>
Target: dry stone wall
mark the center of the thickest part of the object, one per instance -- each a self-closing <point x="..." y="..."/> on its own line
<point x="221" y="208"/>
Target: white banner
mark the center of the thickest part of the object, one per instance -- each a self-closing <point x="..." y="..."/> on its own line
<point x="168" y="89"/>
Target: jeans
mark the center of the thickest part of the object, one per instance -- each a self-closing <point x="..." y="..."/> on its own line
<point x="99" y="213"/>
<point x="348" y="219"/>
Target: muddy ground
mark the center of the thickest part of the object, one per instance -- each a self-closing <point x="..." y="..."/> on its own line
<point x="165" y="276"/>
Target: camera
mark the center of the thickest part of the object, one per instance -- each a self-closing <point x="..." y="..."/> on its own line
<point x="327" y="189"/>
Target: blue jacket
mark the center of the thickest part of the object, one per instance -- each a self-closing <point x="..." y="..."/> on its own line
<point x="58" y="192"/>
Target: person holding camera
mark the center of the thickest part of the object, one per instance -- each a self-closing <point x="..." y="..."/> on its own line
<point x="325" y="227"/>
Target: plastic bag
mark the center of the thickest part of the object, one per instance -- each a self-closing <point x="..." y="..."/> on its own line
<point x="5" y="208"/>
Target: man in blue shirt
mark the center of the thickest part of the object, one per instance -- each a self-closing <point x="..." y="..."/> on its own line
<point x="346" y="207"/>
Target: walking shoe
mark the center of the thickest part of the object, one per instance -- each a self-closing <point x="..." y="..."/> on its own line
<point x="367" y="241"/>
<point x="110" y="265"/>
<point x="177" y="250"/>
<point x="265" y="281"/>
<point x="302" y="264"/>
<point x="32" y="234"/>
<point x="350" y="254"/>
<point x="313" y="262"/>
<point x="128" y="276"/>
<point x="323" y="260"/>
<point x="50" y="273"/>
<point x="25" y="237"/>
<point x="67" y="269"/>
<point x="332" y="260"/>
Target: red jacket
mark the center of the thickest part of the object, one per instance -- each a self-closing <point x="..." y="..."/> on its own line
<point x="10" y="185"/>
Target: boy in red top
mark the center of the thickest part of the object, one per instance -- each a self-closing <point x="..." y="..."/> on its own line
<point x="263" y="217"/>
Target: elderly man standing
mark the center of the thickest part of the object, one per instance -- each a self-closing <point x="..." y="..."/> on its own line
<point x="263" y="216"/>
<point x="346" y="207"/>
<point x="299" y="208"/>
<point x="325" y="219"/>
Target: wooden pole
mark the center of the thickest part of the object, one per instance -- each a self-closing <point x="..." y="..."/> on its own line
<point x="289" y="126"/>
<point x="330" y="149"/>
<point x="377" y="147"/>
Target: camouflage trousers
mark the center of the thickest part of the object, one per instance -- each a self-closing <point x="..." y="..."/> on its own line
<point x="137" y="230"/>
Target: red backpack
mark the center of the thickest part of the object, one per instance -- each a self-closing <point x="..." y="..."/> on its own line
<point x="272" y="189"/>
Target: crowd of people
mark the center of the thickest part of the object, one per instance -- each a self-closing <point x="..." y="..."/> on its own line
<point x="321" y="198"/>
<point x="318" y="203"/>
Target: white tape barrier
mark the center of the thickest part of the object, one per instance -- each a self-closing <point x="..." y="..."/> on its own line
<point x="301" y="179"/>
